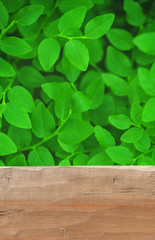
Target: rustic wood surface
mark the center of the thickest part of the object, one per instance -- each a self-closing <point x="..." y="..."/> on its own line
<point x="77" y="203"/>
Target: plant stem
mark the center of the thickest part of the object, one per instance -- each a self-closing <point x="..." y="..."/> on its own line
<point x="98" y="69"/>
<point x="5" y="30"/>
<point x="74" y="87"/>
<point x="46" y="139"/>
<point x="6" y="90"/>
<point x="84" y="151"/>
<point x="71" y="38"/>
<point x="141" y="155"/>
<point x="46" y="19"/>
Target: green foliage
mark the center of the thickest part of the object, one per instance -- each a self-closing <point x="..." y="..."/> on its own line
<point x="48" y="53"/>
<point x="77" y="82"/>
<point x="77" y="54"/>
<point x="28" y="15"/>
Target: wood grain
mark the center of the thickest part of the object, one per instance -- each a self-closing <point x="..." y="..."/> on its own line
<point x="77" y="203"/>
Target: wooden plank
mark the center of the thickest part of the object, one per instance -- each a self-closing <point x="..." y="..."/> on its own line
<point x="77" y="203"/>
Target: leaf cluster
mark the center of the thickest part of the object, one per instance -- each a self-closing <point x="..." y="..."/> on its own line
<point x="77" y="82"/>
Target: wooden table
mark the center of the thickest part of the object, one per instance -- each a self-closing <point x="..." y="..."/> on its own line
<point x="77" y="203"/>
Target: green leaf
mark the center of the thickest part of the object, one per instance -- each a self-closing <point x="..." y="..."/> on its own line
<point x="132" y="135"/>
<point x="120" y="155"/>
<point x="104" y="137"/>
<point x="62" y="101"/>
<point x="134" y="13"/>
<point x="64" y="162"/>
<point x="69" y="148"/>
<point x="145" y="160"/>
<point x="4" y="16"/>
<point x="97" y="55"/>
<point x="72" y="20"/>
<point x="48" y="4"/>
<point x="48" y="53"/>
<point x="16" y="115"/>
<point x="77" y="54"/>
<point x="99" y="26"/>
<point x="120" y="121"/>
<point x="95" y="92"/>
<point x="2" y="164"/>
<point x="75" y="131"/>
<point x="135" y="113"/>
<point x="100" y="159"/>
<point x="118" y="62"/>
<point x="21" y="96"/>
<point x="118" y="85"/>
<point x="148" y="114"/>
<point x="21" y="137"/>
<point x="143" y="144"/>
<point x="145" y="42"/>
<point x="43" y="122"/>
<point x="14" y="46"/>
<point x="52" y="89"/>
<point x="147" y="80"/>
<point x="70" y="71"/>
<point x="52" y="29"/>
<point x="18" y="160"/>
<point x="29" y="14"/>
<point x="30" y="77"/>
<point x="120" y="39"/>
<point x="67" y="5"/>
<point x="80" y="160"/>
<point x="41" y="156"/>
<point x="80" y="102"/>
<point x="13" y="6"/>
<point x="7" y="146"/>
<point x="6" y="69"/>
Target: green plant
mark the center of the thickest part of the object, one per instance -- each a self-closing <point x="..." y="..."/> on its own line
<point x="77" y="82"/>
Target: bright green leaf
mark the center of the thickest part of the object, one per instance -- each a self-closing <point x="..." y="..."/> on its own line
<point x="100" y="159"/>
<point x="120" y="121"/>
<point x="62" y="101"/>
<point x="17" y="115"/>
<point x="6" y="69"/>
<point x="118" y="62"/>
<point x="99" y="26"/>
<point x="14" y="46"/>
<point x="21" y="96"/>
<point x="145" y="42"/>
<point x="80" y="102"/>
<point x="148" y="114"/>
<point x="41" y="156"/>
<point x="48" y="53"/>
<point x="132" y="135"/>
<point x="104" y="137"/>
<point x="43" y="122"/>
<point x="75" y="131"/>
<point x="120" y="38"/>
<point x="120" y="155"/>
<point x="7" y="146"/>
<point x="118" y="85"/>
<point x="72" y="20"/>
<point x="77" y="54"/>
